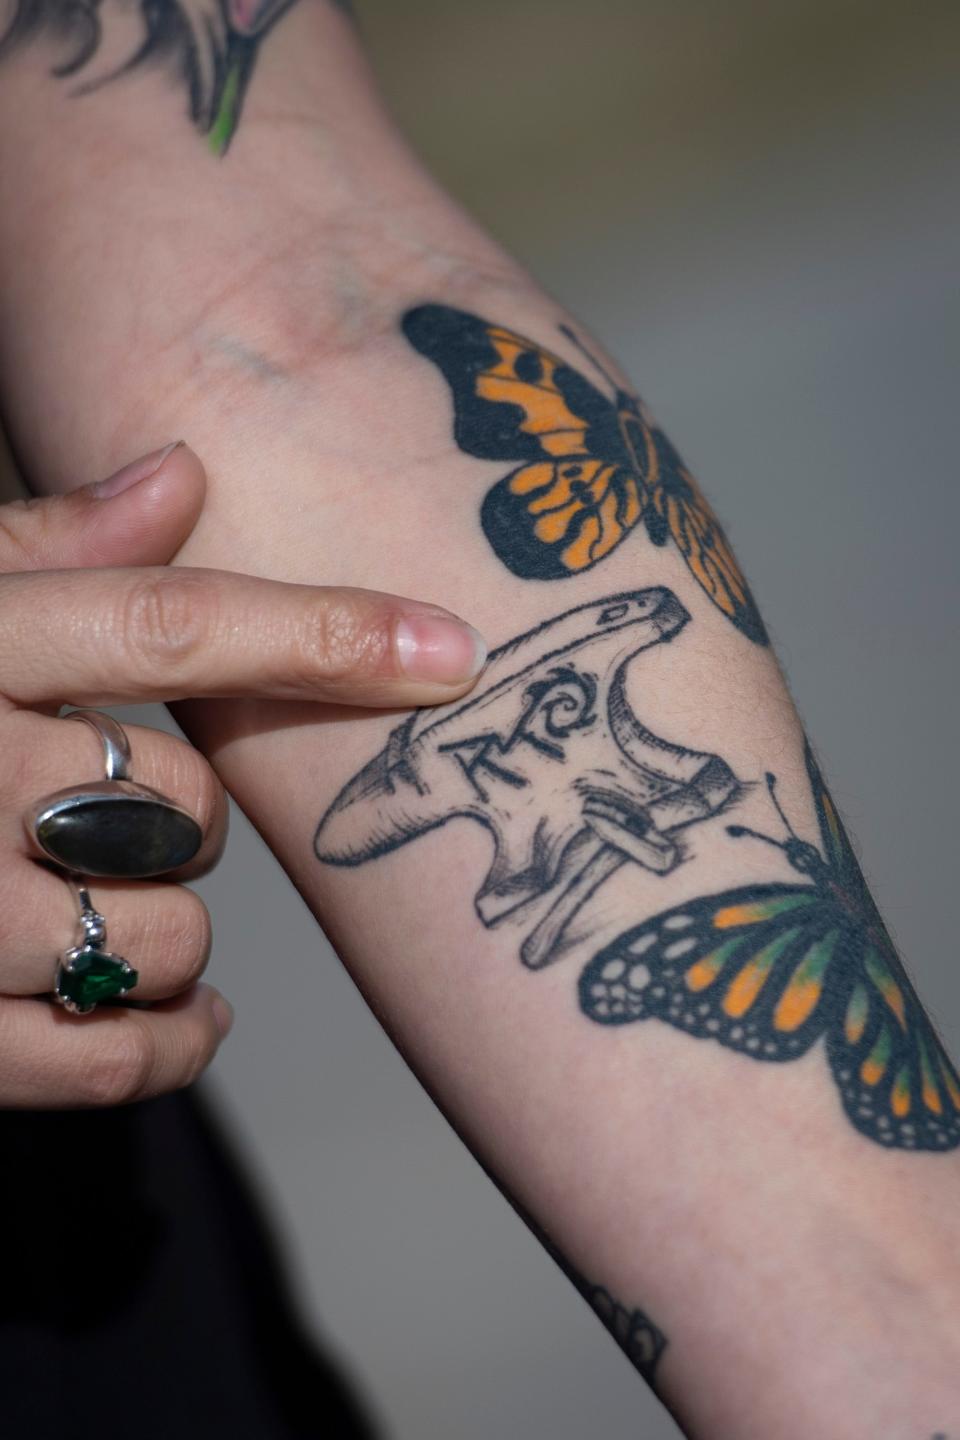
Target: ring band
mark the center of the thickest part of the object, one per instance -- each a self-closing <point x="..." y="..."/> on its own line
<point x="113" y="827"/>
<point x="88" y="973"/>
<point x="113" y="737"/>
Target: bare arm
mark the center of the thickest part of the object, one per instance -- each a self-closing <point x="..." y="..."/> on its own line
<point x="562" y="893"/>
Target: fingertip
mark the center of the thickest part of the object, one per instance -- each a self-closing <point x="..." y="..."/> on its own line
<point x="431" y="657"/>
<point x="380" y="651"/>
<point x="144" y="513"/>
<point x="133" y="473"/>
<point x="209" y="999"/>
<point x="439" y="649"/>
<point x="223" y="1014"/>
<point x="172" y="479"/>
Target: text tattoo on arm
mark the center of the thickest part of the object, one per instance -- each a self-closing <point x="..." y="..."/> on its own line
<point x="208" y="47"/>
<point x="593" y="466"/>
<point x="642" y="1341"/>
<point x="639" y="1338"/>
<point x="550" y="757"/>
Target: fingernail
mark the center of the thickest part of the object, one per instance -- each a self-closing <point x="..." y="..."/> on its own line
<point x="439" y="649"/>
<point x="223" y="1014"/>
<point x="133" y="473"/>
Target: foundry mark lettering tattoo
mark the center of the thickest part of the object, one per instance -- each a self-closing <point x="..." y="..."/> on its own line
<point x="636" y="1334"/>
<point x="209" y="47"/>
<point x="639" y="1338"/>
<point x="592" y="465"/>
<point x="641" y="1341"/>
<point x="549" y="755"/>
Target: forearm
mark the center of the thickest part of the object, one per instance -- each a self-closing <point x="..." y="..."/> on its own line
<point x="238" y="283"/>
<point x="256" y="307"/>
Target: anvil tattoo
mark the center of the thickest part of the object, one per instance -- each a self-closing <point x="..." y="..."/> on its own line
<point x="549" y="754"/>
<point x="550" y="757"/>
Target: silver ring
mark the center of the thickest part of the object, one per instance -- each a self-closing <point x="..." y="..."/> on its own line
<point x="88" y="973"/>
<point x="113" y="827"/>
<point x="116" y="746"/>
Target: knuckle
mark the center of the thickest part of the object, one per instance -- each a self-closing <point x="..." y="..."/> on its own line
<point x="166" y="621"/>
<point x="26" y="767"/>
<point x="16" y="617"/>
<point x="341" y="640"/>
<point x="34" y="529"/>
<point x="21" y="539"/>
<point x="118" y="1071"/>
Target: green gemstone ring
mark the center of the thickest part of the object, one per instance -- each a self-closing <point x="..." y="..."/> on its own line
<point x="87" y="972"/>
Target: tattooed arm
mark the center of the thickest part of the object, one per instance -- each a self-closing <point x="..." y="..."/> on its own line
<point x="604" y="904"/>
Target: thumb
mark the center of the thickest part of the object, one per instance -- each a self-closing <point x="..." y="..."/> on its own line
<point x="139" y="516"/>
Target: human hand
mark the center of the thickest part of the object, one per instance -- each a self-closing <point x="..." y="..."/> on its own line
<point x="76" y="629"/>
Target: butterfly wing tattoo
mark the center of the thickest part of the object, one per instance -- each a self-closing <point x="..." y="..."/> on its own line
<point x="769" y="970"/>
<point x="589" y="468"/>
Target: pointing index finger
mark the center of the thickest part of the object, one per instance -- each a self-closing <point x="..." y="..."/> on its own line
<point x="109" y="636"/>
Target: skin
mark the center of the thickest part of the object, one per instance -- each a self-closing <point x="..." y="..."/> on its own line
<point x="807" y="1280"/>
<point x="98" y="634"/>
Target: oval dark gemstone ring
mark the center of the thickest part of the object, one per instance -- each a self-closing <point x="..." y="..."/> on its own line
<point x="113" y="827"/>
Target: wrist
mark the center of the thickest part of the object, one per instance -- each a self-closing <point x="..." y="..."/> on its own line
<point x="846" y="1327"/>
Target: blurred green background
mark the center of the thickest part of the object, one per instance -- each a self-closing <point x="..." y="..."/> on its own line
<point x="756" y="206"/>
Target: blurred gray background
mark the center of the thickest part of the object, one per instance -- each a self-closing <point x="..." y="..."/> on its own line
<point x="755" y="205"/>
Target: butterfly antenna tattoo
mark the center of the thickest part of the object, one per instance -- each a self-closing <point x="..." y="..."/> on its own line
<point x="738" y="831"/>
<point x="771" y="780"/>
<point x="575" y="340"/>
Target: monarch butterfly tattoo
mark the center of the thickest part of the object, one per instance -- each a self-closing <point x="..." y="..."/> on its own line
<point x="592" y="467"/>
<point x="769" y="970"/>
<point x="550" y="754"/>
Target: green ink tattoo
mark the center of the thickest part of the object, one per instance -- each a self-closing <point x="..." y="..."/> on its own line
<point x="208" y="47"/>
<point x="549" y="755"/>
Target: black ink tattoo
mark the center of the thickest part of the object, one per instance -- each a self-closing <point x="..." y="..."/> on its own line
<point x="209" y="47"/>
<point x="549" y="756"/>
<point x="593" y="466"/>
<point x="639" y="1339"/>
<point x="769" y="970"/>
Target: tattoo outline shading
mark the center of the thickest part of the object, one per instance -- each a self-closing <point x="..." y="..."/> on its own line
<point x="548" y="754"/>
<point x="770" y="970"/>
<point x="209" y="46"/>
<point x="592" y="467"/>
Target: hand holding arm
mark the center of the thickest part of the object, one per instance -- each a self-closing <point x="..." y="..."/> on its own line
<point x="77" y="628"/>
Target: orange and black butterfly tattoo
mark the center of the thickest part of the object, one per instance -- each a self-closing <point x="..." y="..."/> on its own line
<point x="591" y="468"/>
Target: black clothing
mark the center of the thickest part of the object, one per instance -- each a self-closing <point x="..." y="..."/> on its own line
<point x="140" y="1296"/>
